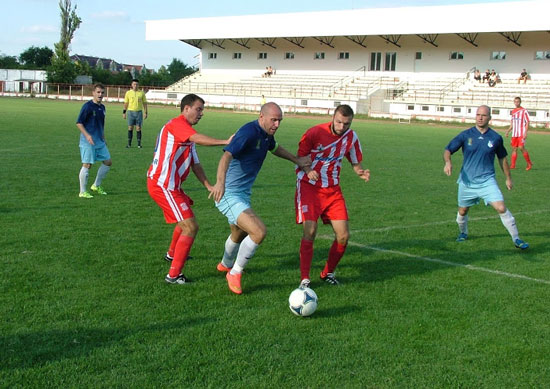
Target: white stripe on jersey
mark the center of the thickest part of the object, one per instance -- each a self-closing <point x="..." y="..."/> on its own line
<point x="520" y="121"/>
<point x="173" y="205"/>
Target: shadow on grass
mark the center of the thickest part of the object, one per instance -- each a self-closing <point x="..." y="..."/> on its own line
<point x="37" y="348"/>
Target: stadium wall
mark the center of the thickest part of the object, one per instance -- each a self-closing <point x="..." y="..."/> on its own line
<point x="434" y="59"/>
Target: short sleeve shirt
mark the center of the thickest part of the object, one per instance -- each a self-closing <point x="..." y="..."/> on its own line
<point x="135" y="100"/>
<point x="249" y="148"/>
<point x="479" y="152"/>
<point x="92" y="117"/>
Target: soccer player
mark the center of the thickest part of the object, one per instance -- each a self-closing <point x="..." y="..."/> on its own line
<point x="237" y="171"/>
<point x="135" y="106"/>
<point x="175" y="155"/>
<point x="91" y="123"/>
<point x="318" y="192"/>
<point x="476" y="180"/>
<point x="519" y="126"/>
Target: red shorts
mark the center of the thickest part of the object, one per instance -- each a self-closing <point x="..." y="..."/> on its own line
<point x="517" y="141"/>
<point x="312" y="202"/>
<point x="176" y="205"/>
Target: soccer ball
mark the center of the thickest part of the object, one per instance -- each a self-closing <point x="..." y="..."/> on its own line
<point x="302" y="302"/>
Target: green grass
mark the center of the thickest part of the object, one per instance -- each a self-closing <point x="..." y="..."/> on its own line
<point x="83" y="302"/>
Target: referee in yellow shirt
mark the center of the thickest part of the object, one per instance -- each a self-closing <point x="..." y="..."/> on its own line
<point x="135" y="107"/>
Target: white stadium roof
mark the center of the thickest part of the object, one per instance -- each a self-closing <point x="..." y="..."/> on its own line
<point x="509" y="17"/>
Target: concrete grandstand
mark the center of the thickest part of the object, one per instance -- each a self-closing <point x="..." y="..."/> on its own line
<point x="386" y="62"/>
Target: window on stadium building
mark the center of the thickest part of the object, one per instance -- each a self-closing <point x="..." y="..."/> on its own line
<point x="496" y="112"/>
<point x="262" y="55"/>
<point x="319" y="55"/>
<point x="389" y="65"/>
<point x="343" y="55"/>
<point x="498" y="55"/>
<point x="237" y="55"/>
<point x="375" y="61"/>
<point x="289" y="55"/>
<point x="418" y="55"/>
<point x="542" y="55"/>
<point x="212" y="55"/>
<point x="456" y="55"/>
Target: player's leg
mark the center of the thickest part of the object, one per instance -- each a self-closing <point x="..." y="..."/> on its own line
<point x="139" y="122"/>
<point x="189" y="229"/>
<point x="102" y="154"/>
<point x="337" y="250"/>
<point x="130" y="136"/>
<point x="306" y="250"/>
<point x="526" y="156"/>
<point x="462" y="221"/>
<point x="514" y="157"/>
<point x="175" y="236"/>
<point x="254" y="227"/>
<point x="88" y="158"/>
<point x="231" y="248"/>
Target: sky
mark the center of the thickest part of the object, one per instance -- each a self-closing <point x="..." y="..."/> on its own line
<point x="116" y="29"/>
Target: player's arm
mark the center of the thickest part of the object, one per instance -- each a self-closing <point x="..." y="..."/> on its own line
<point x="205" y="140"/>
<point x="201" y="176"/>
<point x="219" y="188"/>
<point x="281" y="152"/>
<point x="364" y="174"/>
<point x="503" y="162"/>
<point x="85" y="133"/>
<point x="144" y="106"/>
<point x="126" y="102"/>
<point x="448" y="168"/>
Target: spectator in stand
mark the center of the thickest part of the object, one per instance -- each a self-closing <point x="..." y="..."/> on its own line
<point x="477" y="75"/>
<point x="523" y="76"/>
<point x="493" y="78"/>
<point x="486" y="75"/>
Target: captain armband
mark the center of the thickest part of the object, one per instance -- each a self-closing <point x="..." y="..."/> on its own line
<point x="274" y="148"/>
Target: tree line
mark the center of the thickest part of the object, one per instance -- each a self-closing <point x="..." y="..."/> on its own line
<point x="60" y="68"/>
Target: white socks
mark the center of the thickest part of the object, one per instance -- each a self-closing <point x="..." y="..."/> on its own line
<point x="510" y="223"/>
<point x="230" y="252"/>
<point x="83" y="177"/>
<point x="246" y="251"/>
<point x="462" y="222"/>
<point x="101" y="173"/>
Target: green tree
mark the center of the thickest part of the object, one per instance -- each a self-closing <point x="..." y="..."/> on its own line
<point x="62" y="69"/>
<point x="9" y="62"/>
<point x="36" y="57"/>
<point x="179" y="70"/>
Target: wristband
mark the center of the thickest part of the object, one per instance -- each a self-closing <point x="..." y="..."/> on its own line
<point x="123" y="111"/>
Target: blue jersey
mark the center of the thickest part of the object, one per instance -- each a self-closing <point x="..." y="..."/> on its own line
<point x="479" y="155"/>
<point x="248" y="147"/>
<point x="92" y="117"/>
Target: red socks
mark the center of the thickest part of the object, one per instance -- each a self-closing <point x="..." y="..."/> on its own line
<point x="334" y="255"/>
<point x="183" y="247"/>
<point x="526" y="156"/>
<point x="513" y="160"/>
<point x="175" y="237"/>
<point x="306" y="255"/>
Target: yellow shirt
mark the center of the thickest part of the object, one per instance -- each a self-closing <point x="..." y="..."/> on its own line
<point x="135" y="100"/>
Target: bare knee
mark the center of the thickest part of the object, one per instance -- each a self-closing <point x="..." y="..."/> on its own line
<point x="108" y="162"/>
<point x="189" y="227"/>
<point x="87" y="165"/>
<point x="342" y="238"/>
<point x="259" y="234"/>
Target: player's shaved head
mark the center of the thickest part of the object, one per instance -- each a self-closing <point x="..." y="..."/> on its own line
<point x="270" y="118"/>
<point x="270" y="108"/>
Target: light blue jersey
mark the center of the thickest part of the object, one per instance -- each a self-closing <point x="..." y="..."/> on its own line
<point x="479" y="152"/>
<point x="248" y="147"/>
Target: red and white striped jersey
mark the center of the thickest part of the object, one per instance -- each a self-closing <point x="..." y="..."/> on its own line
<point x="327" y="151"/>
<point x="520" y="122"/>
<point x="174" y="154"/>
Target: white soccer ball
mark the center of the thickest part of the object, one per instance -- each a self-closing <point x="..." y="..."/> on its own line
<point x="302" y="302"/>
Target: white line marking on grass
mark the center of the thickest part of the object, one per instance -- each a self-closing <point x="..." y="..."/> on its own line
<point x="442" y="262"/>
<point x="404" y="227"/>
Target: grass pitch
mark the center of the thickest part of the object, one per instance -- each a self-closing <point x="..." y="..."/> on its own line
<point x="84" y="304"/>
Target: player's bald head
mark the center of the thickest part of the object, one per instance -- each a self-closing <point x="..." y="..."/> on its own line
<point x="271" y="108"/>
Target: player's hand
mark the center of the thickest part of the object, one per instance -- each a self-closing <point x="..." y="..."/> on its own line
<point x="509" y="183"/>
<point x="313" y="175"/>
<point x="448" y="169"/>
<point x="145" y="116"/>
<point x="364" y="174"/>
<point x="230" y="139"/>
<point x="124" y="116"/>
<point x="216" y="192"/>
<point x="90" y="139"/>
<point x="304" y="162"/>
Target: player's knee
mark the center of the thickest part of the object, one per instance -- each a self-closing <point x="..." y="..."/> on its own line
<point x="259" y="234"/>
<point x="343" y="238"/>
<point x="108" y="162"/>
<point x="87" y="165"/>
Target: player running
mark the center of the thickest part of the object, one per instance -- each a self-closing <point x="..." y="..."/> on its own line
<point x="175" y="155"/>
<point x="238" y="168"/>
<point x="519" y="126"/>
<point x="318" y="192"/>
<point x="476" y="180"/>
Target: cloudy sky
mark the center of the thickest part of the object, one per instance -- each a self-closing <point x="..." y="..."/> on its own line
<point x="116" y="29"/>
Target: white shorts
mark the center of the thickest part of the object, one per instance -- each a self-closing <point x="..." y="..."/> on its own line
<point x="232" y="205"/>
<point x="489" y="192"/>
